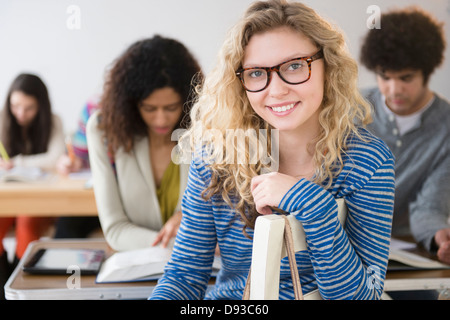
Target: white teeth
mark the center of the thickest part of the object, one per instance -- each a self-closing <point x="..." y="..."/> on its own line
<point x="283" y="108"/>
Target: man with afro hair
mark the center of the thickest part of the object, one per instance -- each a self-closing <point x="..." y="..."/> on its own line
<point x="414" y="121"/>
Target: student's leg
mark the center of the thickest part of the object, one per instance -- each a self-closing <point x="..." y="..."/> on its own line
<point x="75" y="227"/>
<point x="5" y="269"/>
<point x="5" y="225"/>
<point x="5" y="272"/>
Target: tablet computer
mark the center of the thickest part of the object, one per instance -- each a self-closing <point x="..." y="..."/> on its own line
<point x="63" y="260"/>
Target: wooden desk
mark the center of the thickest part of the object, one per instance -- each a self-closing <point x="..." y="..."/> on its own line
<point x="54" y="196"/>
<point x="417" y="280"/>
<point x="23" y="286"/>
<point x="433" y="279"/>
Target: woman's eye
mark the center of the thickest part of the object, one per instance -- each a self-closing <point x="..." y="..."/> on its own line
<point x="295" y="66"/>
<point x="256" y="73"/>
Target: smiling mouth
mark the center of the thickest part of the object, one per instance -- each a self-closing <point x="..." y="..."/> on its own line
<point x="283" y="108"/>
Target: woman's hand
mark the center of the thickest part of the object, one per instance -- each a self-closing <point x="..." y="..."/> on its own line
<point x="6" y="165"/>
<point x="268" y="190"/>
<point x="66" y="165"/>
<point x="169" y="230"/>
<point x="442" y="239"/>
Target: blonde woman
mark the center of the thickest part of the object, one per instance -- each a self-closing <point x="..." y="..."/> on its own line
<point x="283" y="67"/>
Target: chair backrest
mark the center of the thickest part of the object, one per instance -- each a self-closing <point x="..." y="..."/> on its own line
<point x="269" y="249"/>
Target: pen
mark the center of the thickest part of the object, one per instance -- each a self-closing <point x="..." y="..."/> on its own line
<point x="3" y="152"/>
<point x="69" y="147"/>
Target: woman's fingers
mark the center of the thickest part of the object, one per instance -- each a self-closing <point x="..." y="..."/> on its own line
<point x="268" y="190"/>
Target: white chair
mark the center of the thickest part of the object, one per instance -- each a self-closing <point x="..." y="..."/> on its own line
<point x="269" y="249"/>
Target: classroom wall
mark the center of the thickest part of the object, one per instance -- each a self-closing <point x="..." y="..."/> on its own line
<point x="71" y="55"/>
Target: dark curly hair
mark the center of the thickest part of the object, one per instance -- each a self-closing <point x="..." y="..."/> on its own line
<point x="145" y="66"/>
<point x="408" y="39"/>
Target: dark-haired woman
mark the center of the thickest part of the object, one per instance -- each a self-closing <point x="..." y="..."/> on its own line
<point x="138" y="188"/>
<point x="32" y="137"/>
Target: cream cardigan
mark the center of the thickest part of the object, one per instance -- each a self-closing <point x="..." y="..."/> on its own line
<point x="127" y="206"/>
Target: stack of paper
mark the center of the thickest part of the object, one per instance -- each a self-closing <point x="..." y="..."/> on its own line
<point x="22" y="174"/>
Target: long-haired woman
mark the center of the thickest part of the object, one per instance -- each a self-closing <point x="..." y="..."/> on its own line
<point x="138" y="188"/>
<point x="33" y="137"/>
<point x="284" y="69"/>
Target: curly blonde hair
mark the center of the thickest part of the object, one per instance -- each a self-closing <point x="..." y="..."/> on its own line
<point x="222" y="103"/>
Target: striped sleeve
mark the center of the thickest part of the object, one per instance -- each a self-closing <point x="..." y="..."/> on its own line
<point x="187" y="274"/>
<point x="350" y="264"/>
<point x="344" y="262"/>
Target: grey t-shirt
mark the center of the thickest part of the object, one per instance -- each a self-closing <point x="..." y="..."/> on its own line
<point x="422" y="168"/>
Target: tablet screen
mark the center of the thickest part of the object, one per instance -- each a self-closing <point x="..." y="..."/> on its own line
<point x="58" y="260"/>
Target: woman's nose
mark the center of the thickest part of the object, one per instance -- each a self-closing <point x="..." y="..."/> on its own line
<point x="277" y="87"/>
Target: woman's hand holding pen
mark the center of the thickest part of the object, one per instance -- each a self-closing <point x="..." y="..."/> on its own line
<point x="66" y="164"/>
<point x="6" y="165"/>
<point x="69" y="162"/>
<point x="268" y="190"/>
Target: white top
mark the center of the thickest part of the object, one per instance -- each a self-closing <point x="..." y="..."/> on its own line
<point x="47" y="160"/>
<point x="127" y="206"/>
<point x="408" y="122"/>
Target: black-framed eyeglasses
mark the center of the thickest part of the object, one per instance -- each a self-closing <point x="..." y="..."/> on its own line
<point x="293" y="71"/>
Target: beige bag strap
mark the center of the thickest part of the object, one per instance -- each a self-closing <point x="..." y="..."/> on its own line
<point x="246" y="295"/>
<point x="289" y="242"/>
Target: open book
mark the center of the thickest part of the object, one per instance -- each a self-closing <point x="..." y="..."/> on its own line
<point x="404" y="255"/>
<point x="22" y="174"/>
<point x="138" y="265"/>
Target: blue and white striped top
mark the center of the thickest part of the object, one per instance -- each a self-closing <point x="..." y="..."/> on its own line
<point x="343" y="265"/>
